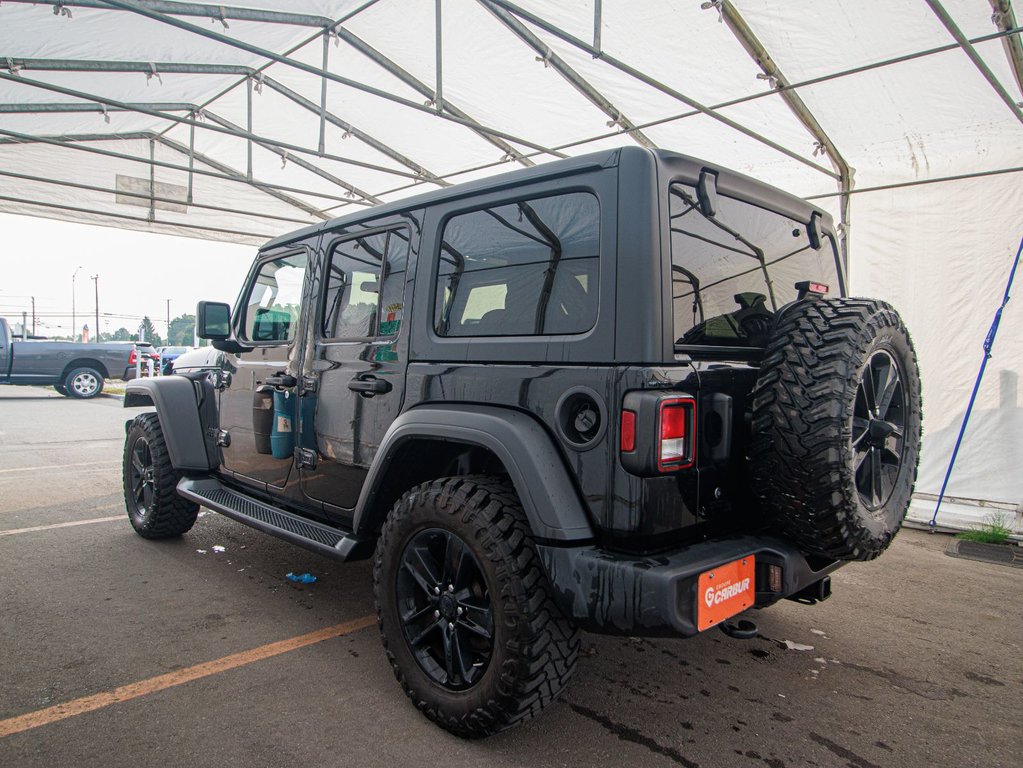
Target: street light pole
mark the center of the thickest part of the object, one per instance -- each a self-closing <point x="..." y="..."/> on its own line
<point x="95" y="280"/>
<point x="74" y="320"/>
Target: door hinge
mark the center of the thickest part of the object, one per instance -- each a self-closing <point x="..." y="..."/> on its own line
<point x="309" y="384"/>
<point x="221" y="436"/>
<point x="305" y="458"/>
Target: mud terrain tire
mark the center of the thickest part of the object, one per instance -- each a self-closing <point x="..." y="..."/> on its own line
<point x="833" y="459"/>
<point x="532" y="649"/>
<point x="154" y="508"/>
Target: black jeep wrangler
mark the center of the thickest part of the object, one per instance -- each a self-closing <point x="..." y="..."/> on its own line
<point x="623" y="392"/>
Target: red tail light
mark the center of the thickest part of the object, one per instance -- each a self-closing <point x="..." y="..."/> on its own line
<point x="676" y="429"/>
<point x="133" y="357"/>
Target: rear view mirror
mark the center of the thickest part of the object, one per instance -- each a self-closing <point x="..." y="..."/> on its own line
<point x="707" y="193"/>
<point x="813" y="231"/>
<point x="370" y="286"/>
<point x="213" y="320"/>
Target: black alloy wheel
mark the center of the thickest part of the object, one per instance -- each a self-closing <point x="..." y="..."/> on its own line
<point x="878" y="433"/>
<point x="141" y="479"/>
<point x="444" y="606"/>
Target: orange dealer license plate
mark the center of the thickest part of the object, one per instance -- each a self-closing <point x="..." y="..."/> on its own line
<point x="725" y="591"/>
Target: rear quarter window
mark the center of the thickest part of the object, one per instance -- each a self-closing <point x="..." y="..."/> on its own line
<point x="526" y="268"/>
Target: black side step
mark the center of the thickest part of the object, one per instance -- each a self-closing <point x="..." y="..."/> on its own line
<point x="323" y="539"/>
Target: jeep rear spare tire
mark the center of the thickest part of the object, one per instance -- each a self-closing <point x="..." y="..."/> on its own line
<point x="836" y="427"/>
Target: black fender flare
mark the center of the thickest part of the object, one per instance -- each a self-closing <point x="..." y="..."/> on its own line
<point x="541" y="479"/>
<point x="178" y="411"/>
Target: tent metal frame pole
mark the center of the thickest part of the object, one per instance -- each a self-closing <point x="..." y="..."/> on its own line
<point x="314" y="169"/>
<point x="978" y="61"/>
<point x="438" y="41"/>
<point x="221" y="13"/>
<point x="230" y="172"/>
<point x="143" y="195"/>
<point x="71" y="142"/>
<point x="57" y="107"/>
<point x="191" y="161"/>
<point x="152" y="180"/>
<point x="598" y="13"/>
<point x="323" y="93"/>
<point x="621" y="66"/>
<point x="248" y="128"/>
<point x="573" y="78"/>
<point x="922" y="182"/>
<point x="763" y="59"/>
<point x="1004" y="17"/>
<point x="494" y="136"/>
<point x="140" y="219"/>
<point x="80" y="65"/>
<point x="361" y="135"/>
<point x="236" y="132"/>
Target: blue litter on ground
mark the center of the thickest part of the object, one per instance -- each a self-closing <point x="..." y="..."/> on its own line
<point x="302" y="578"/>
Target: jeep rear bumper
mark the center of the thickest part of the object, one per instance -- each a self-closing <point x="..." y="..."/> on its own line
<point x="611" y="593"/>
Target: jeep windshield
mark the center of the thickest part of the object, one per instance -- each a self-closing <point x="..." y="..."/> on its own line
<point x="732" y="272"/>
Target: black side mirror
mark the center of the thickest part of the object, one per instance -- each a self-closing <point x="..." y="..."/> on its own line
<point x="213" y="320"/>
<point x="813" y="231"/>
<point x="707" y="193"/>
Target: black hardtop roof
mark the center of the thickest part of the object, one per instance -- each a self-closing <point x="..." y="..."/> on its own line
<point x="673" y="163"/>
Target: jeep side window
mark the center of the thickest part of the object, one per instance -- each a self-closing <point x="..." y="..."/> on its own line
<point x="275" y="301"/>
<point x="526" y="268"/>
<point x="365" y="286"/>
<point x="732" y="272"/>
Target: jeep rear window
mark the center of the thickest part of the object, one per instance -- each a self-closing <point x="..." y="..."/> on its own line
<point x="732" y="272"/>
<point x="526" y="268"/>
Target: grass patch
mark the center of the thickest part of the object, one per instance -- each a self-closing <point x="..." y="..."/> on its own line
<point x="995" y="530"/>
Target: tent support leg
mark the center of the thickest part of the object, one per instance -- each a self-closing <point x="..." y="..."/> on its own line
<point x="191" y="160"/>
<point x="152" y="180"/>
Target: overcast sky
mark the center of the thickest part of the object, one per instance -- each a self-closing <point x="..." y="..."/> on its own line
<point x="137" y="272"/>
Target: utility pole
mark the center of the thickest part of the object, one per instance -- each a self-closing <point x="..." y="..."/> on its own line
<point x="95" y="280"/>
<point x="33" y="315"/>
<point x="167" y="337"/>
<point x="74" y="320"/>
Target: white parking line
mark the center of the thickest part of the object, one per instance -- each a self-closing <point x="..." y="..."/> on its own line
<point x="34" y="528"/>
<point x="61" y="466"/>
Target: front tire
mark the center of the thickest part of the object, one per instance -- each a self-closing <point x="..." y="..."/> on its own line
<point x="83" y="383"/>
<point x="61" y="389"/>
<point x="465" y="610"/>
<point x="155" y="509"/>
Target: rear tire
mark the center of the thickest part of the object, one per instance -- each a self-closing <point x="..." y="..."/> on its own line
<point x="83" y="383"/>
<point x="61" y="389"/>
<point x="834" y="460"/>
<point x="515" y="650"/>
<point x="155" y="509"/>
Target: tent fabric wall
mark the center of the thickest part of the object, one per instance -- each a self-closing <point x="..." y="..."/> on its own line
<point x="101" y="97"/>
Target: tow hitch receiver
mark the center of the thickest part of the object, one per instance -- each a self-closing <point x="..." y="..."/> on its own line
<point x="814" y="593"/>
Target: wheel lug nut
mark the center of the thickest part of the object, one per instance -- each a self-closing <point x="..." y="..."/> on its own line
<point x="451" y="625"/>
<point x="436" y="590"/>
<point x="459" y="609"/>
<point x="436" y="614"/>
<point x="451" y="587"/>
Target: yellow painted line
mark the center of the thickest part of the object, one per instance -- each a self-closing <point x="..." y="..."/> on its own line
<point x="131" y="691"/>
<point x="71" y="524"/>
<point x="61" y="466"/>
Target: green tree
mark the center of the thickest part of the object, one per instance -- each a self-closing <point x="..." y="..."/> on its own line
<point x="148" y="330"/>
<point x="121" y="334"/>
<point x="182" y="331"/>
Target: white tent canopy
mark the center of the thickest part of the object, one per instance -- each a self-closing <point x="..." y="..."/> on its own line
<point x="242" y="122"/>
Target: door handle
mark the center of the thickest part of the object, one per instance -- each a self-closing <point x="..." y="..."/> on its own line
<point x="282" y="380"/>
<point x="369" y="385"/>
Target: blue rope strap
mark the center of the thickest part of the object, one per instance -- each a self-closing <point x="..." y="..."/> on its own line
<point x="989" y="342"/>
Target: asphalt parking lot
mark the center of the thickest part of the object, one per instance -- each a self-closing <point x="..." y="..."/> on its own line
<point x="115" y="651"/>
